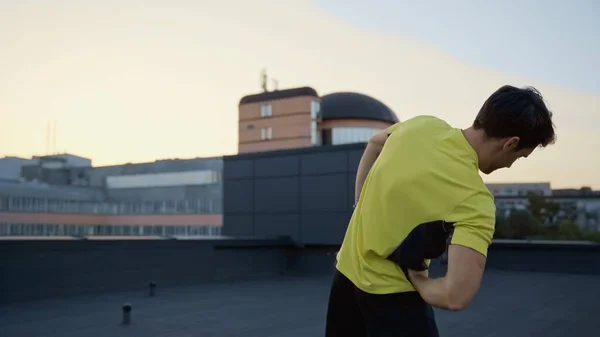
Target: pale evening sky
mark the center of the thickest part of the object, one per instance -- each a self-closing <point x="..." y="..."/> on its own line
<point x="135" y="81"/>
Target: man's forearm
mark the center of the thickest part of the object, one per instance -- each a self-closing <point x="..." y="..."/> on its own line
<point x="435" y="291"/>
<point x="366" y="162"/>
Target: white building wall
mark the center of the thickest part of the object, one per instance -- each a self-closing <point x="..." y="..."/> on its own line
<point x="186" y="178"/>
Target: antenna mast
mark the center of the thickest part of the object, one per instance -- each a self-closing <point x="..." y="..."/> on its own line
<point x="264" y="80"/>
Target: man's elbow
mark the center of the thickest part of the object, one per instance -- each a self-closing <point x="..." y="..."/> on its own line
<point x="457" y="305"/>
<point x="458" y="298"/>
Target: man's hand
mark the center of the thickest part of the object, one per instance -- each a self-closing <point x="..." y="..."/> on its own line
<point x="416" y="274"/>
<point x="455" y="290"/>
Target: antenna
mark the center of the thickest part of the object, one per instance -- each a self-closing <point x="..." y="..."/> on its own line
<point x="264" y="80"/>
<point x="275" y="84"/>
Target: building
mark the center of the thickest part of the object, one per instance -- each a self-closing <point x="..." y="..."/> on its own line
<point x="65" y="195"/>
<point x="299" y="117"/>
<point x="10" y="167"/>
<point x="580" y="205"/>
<point x="519" y="189"/>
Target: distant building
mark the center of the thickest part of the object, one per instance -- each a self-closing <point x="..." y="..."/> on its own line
<point x="580" y="205"/>
<point x="519" y="189"/>
<point x="10" y="167"/>
<point x="65" y="195"/>
<point x="299" y="117"/>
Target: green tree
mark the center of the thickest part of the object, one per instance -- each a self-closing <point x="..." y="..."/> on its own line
<point x="568" y="230"/>
<point x="502" y="231"/>
<point x="521" y="224"/>
<point x="542" y="209"/>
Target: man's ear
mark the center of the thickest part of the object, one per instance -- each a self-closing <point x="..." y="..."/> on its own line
<point x="511" y="143"/>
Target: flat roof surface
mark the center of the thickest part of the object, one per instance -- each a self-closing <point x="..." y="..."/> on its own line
<point x="509" y="304"/>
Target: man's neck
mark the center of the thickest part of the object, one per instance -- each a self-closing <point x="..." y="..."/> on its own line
<point x="476" y="139"/>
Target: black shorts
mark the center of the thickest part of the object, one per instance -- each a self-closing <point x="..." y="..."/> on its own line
<point x="355" y="313"/>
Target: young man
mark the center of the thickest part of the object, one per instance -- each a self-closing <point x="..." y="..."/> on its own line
<point x="418" y="193"/>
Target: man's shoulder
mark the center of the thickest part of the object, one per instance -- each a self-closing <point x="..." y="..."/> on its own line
<point x="421" y="124"/>
<point x="426" y="120"/>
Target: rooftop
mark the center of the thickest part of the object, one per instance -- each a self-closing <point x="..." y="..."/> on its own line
<point x="267" y="287"/>
<point x="509" y="304"/>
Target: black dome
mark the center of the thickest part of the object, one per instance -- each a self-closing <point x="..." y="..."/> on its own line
<point x="343" y="105"/>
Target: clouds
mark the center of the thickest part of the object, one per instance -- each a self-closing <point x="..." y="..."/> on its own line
<point x="136" y="81"/>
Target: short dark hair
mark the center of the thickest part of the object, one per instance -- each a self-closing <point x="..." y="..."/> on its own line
<point x="517" y="112"/>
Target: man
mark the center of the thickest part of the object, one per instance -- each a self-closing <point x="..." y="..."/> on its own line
<point x="419" y="193"/>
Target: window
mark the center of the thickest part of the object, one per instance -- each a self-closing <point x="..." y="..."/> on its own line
<point x="347" y="135"/>
<point x="314" y="133"/>
<point x="315" y="108"/>
<point x="265" y="110"/>
<point x="266" y="133"/>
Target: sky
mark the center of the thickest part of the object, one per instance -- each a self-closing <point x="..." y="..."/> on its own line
<point x="136" y="81"/>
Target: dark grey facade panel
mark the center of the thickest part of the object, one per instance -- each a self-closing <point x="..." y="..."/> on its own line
<point x="327" y="228"/>
<point x="276" y="195"/>
<point x="312" y="204"/>
<point x="238" y="169"/>
<point x="328" y="162"/>
<point x="277" y="167"/>
<point x="239" y="225"/>
<point x="238" y="195"/>
<point x="277" y="225"/>
<point x="354" y="159"/>
<point x="325" y="193"/>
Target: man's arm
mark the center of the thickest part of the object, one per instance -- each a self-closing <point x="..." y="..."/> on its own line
<point x="463" y="278"/>
<point x="372" y="151"/>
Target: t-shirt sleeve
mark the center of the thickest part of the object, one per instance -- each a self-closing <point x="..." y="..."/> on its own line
<point x="474" y="223"/>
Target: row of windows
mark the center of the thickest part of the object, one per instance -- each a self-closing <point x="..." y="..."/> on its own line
<point x="344" y="135"/>
<point x="185" y="178"/>
<point x="338" y="135"/>
<point x="8" y="229"/>
<point x="46" y="205"/>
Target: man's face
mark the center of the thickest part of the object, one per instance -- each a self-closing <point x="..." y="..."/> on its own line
<point x="505" y="155"/>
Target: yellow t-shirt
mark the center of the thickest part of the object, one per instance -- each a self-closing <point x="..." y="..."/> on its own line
<point x="426" y="171"/>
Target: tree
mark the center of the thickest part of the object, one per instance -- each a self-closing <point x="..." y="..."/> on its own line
<point x="502" y="231"/>
<point x="542" y="209"/>
<point x="521" y="225"/>
<point x="568" y="230"/>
